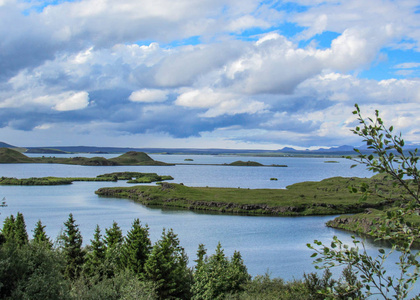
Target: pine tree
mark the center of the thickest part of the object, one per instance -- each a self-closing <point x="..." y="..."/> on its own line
<point x="9" y="229"/>
<point x="113" y="237"/>
<point x="136" y="248"/>
<point x="72" y="249"/>
<point x="113" y="242"/>
<point x="21" y="236"/>
<point x="237" y="273"/>
<point x="40" y="237"/>
<point x="216" y="276"/>
<point x="96" y="257"/>
<point x="167" y="268"/>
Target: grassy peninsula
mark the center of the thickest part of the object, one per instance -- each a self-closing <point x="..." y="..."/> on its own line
<point x="132" y="158"/>
<point x="131" y="177"/>
<point x="250" y="163"/>
<point x="329" y="196"/>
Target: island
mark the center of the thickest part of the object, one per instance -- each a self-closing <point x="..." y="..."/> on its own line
<point x="130" y="158"/>
<point x="250" y="163"/>
<point x="327" y="197"/>
<point x="131" y="177"/>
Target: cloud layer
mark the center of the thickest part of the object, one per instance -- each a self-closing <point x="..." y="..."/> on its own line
<point x="212" y="73"/>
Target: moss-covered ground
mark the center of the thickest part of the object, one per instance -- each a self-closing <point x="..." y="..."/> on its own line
<point x="329" y="196"/>
<point x="131" y="177"/>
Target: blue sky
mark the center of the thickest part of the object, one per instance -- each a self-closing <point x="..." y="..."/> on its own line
<point x="206" y="74"/>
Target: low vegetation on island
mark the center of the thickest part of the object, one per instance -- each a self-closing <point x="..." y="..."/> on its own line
<point x="131" y="177"/>
<point x="327" y="197"/>
<point x="250" y="163"/>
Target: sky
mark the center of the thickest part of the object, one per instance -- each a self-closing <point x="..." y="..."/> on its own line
<point x="238" y="74"/>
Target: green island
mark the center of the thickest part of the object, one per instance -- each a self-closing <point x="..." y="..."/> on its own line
<point x="131" y="177"/>
<point x="249" y="163"/>
<point x="131" y="158"/>
<point x="330" y="196"/>
<point x="327" y="197"/>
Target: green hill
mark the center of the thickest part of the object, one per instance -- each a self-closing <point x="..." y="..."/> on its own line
<point x="8" y="156"/>
<point x="4" y="145"/>
<point x="246" y="163"/>
<point x="137" y="158"/>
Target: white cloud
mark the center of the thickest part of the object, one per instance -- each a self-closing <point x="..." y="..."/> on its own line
<point x="408" y="65"/>
<point x="219" y="103"/>
<point x="148" y="95"/>
<point x="71" y="101"/>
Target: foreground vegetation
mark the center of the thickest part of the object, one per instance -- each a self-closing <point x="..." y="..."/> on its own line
<point x="114" y="266"/>
<point x="131" y="177"/>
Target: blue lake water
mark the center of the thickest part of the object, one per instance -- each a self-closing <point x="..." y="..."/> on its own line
<point x="273" y="244"/>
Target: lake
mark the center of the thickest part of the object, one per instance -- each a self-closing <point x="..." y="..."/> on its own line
<point x="268" y="244"/>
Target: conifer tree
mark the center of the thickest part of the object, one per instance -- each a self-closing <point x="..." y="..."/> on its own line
<point x="113" y="240"/>
<point x="136" y="248"/>
<point x="40" y="237"/>
<point x="113" y="237"/>
<point x="96" y="257"/>
<point x="9" y="229"/>
<point x="216" y="276"/>
<point x="237" y="274"/>
<point x="72" y="248"/>
<point x="167" y="268"/>
<point x="21" y="236"/>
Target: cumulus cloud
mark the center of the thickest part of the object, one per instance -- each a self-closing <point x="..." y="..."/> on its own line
<point x="223" y="68"/>
<point x="148" y="95"/>
<point x="72" y="101"/>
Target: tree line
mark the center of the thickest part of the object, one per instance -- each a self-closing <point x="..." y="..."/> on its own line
<point x="114" y="266"/>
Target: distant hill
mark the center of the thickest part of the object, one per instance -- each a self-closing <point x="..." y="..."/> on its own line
<point x="246" y="163"/>
<point x="343" y="150"/>
<point x="136" y="158"/>
<point x="4" y="145"/>
<point x="8" y="156"/>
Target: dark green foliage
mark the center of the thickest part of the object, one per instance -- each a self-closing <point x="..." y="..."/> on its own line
<point x="113" y="236"/>
<point x="216" y="276"/>
<point x="167" y="268"/>
<point x="9" y="229"/>
<point x="347" y="287"/>
<point x="72" y="249"/>
<point x="136" y="248"/>
<point x="95" y="258"/>
<point x="14" y="230"/>
<point x="32" y="271"/>
<point x="263" y="287"/>
<point x="113" y="242"/>
<point x="40" y="237"/>
<point x="124" y="285"/>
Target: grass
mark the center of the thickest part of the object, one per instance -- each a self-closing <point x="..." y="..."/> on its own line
<point x="329" y="196"/>
<point x="131" y="177"/>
